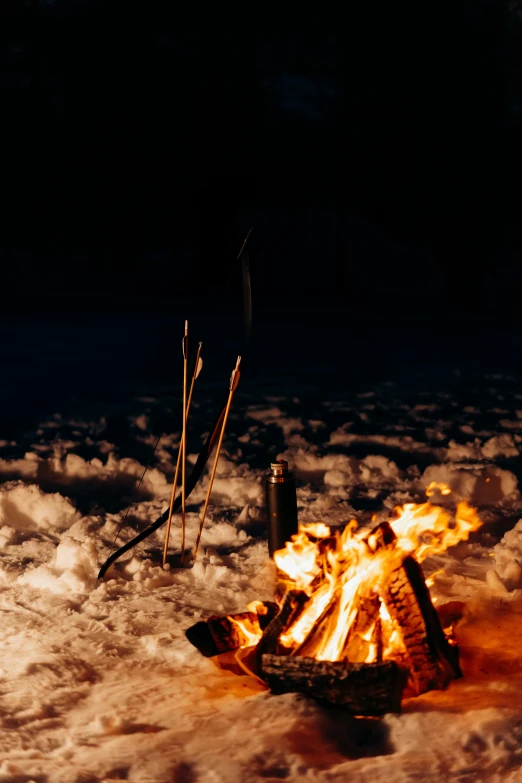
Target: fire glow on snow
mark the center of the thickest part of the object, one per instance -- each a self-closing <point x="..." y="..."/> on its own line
<point x="98" y="681"/>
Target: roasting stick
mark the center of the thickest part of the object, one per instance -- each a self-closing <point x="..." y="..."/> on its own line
<point x="234" y="380"/>
<point x="197" y="369"/>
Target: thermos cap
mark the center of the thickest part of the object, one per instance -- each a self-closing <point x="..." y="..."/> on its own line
<point x="281" y="466"/>
<point x="279" y="473"/>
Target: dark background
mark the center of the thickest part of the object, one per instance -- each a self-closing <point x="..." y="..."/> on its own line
<point x="375" y="149"/>
<point x="376" y="152"/>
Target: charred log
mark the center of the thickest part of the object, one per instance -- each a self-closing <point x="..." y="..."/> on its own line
<point x="365" y="635"/>
<point x="221" y="634"/>
<point x="362" y="689"/>
<point x="311" y="644"/>
<point x="433" y="662"/>
<point x="379" y="536"/>
<point x="290" y="607"/>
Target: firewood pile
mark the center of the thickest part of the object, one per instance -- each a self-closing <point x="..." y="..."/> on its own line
<point x="354" y="624"/>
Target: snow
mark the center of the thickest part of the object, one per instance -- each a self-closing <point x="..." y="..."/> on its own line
<point x="98" y="682"/>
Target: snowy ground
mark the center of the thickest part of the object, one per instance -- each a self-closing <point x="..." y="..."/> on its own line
<point x="97" y="680"/>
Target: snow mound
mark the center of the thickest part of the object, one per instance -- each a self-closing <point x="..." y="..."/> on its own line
<point x="479" y="485"/>
<point x="274" y="415"/>
<point x="75" y="567"/>
<point x="374" y="468"/>
<point x="237" y="491"/>
<point x="500" y="446"/>
<point x="74" y="468"/>
<point x="402" y="443"/>
<point x="27" y="507"/>
<point x="26" y="467"/>
<point x="508" y="558"/>
<point x="497" y="447"/>
<point x="339" y="472"/>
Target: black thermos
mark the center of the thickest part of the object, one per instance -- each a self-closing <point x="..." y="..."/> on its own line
<point x="281" y="506"/>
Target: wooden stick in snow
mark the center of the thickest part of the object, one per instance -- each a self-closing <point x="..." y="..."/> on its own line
<point x="197" y="369"/>
<point x="234" y="380"/>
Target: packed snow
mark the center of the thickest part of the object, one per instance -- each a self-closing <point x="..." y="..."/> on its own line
<point x="98" y="681"/>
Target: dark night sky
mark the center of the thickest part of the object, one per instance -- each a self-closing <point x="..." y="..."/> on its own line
<point x="377" y="156"/>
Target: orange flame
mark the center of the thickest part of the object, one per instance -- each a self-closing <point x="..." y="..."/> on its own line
<point x="249" y="629"/>
<point x="354" y="567"/>
<point x="299" y="560"/>
<point x="424" y="530"/>
<point x="258" y="607"/>
<point x="316" y="529"/>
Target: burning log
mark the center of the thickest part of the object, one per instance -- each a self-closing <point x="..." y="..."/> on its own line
<point x="364" y="641"/>
<point x="356" y="625"/>
<point x="362" y="689"/>
<point x="290" y="608"/>
<point x="367" y="598"/>
<point x="309" y="647"/>
<point x="221" y="634"/>
<point x="432" y="660"/>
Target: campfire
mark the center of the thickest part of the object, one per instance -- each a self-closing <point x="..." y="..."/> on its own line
<point x="353" y="623"/>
